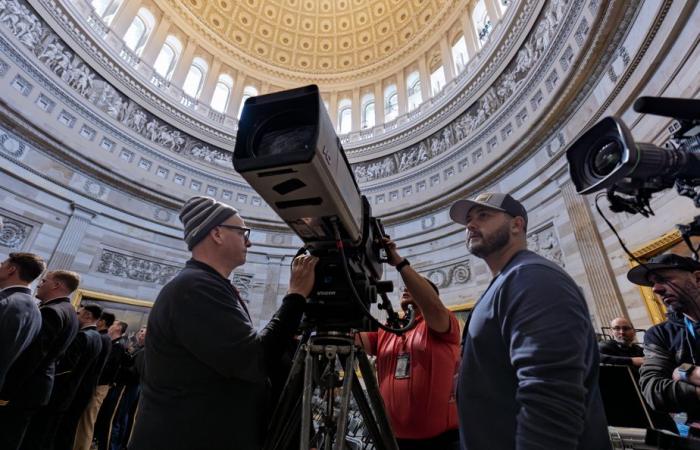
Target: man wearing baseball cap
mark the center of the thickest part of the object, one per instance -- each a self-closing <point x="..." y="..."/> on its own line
<point x="669" y="377"/>
<point x="205" y="383"/>
<point x="529" y="372"/>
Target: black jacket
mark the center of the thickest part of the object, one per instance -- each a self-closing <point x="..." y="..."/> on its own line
<point x="114" y="361"/>
<point x="30" y="380"/>
<point x="613" y="352"/>
<point x="667" y="346"/>
<point x="79" y="360"/>
<point x="205" y="383"/>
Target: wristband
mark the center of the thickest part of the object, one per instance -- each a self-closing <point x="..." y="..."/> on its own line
<point x="404" y="262"/>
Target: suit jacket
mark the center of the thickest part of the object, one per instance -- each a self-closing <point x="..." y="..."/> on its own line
<point x="86" y="389"/>
<point x="79" y="360"/>
<point x="30" y="379"/>
<point x="20" y="323"/>
<point x="205" y="379"/>
<point x="116" y="357"/>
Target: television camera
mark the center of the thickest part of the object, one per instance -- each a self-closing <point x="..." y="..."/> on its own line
<point x="607" y="157"/>
<point x="287" y="149"/>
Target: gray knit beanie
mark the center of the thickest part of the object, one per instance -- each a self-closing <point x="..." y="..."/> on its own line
<point x="200" y="215"/>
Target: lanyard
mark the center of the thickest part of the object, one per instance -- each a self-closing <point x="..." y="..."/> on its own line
<point x="691" y="328"/>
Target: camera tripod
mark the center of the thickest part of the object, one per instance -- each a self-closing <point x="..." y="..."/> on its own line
<point x="316" y="365"/>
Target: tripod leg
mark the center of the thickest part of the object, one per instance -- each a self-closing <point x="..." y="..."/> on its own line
<point x="286" y="414"/>
<point x="376" y="414"/>
<point x="306" y="402"/>
<point x="348" y="378"/>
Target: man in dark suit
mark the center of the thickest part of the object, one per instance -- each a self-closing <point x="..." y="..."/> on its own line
<point x="20" y="320"/>
<point x="205" y="383"/>
<point x="87" y="388"/>
<point x="79" y="359"/>
<point x="29" y="382"/>
<point x="90" y="418"/>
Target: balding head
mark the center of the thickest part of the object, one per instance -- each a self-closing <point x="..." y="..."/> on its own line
<point x="623" y="331"/>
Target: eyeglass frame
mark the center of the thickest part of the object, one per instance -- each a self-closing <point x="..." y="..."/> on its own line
<point x="245" y="230"/>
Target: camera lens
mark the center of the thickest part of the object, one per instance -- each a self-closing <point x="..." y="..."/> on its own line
<point x="606" y="158"/>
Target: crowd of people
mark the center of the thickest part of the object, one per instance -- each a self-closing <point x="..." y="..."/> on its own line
<point x="523" y="373"/>
<point x="57" y="366"/>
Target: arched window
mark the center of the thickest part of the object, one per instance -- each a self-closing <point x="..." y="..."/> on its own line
<point x="139" y="30"/>
<point x="344" y="116"/>
<point x="222" y="93"/>
<point x="437" y="80"/>
<point x="460" y="55"/>
<point x="106" y="9"/>
<point x="414" y="93"/>
<point x="391" y="103"/>
<point x="248" y="91"/>
<point x="368" y="111"/>
<point x="195" y="78"/>
<point x="167" y="58"/>
<point x="481" y="20"/>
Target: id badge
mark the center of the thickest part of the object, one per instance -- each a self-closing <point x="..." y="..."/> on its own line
<point x="403" y="366"/>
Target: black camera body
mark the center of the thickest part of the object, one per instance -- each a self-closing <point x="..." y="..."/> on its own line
<point x="288" y="151"/>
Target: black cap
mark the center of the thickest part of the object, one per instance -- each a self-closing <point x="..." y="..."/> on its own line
<point x="640" y="274"/>
<point x="500" y="202"/>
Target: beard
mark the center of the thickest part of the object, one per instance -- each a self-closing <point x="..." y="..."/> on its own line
<point x="491" y="243"/>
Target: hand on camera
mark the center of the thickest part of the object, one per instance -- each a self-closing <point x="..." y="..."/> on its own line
<point x="392" y="255"/>
<point x="302" y="279"/>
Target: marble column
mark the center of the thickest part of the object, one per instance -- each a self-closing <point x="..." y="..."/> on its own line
<point x="125" y="16"/>
<point x="210" y="84"/>
<point x="69" y="244"/>
<point x="378" y="103"/>
<point x="446" y="55"/>
<point x="402" y="92"/>
<point x="470" y="36"/>
<point x="155" y="42"/>
<point x="184" y="63"/>
<point x="424" y="78"/>
<point x="605" y="293"/>
<point x="356" y="109"/>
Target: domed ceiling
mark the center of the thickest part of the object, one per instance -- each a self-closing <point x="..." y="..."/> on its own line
<point x="322" y="36"/>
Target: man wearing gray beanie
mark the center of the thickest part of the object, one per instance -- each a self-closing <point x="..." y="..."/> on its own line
<point x="206" y="368"/>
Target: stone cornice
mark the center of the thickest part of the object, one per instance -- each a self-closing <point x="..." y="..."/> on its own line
<point x="113" y="69"/>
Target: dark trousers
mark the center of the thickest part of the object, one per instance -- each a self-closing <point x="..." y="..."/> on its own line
<point x="124" y="419"/>
<point x="43" y="430"/>
<point x="14" y="422"/>
<point x="103" y="424"/>
<point x="449" y="440"/>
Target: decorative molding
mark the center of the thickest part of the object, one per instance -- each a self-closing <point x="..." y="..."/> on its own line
<point x="49" y="49"/>
<point x="456" y="273"/>
<point x="135" y="268"/>
<point x="12" y="146"/>
<point x="545" y="242"/>
<point x="244" y="284"/>
<point x="13" y="232"/>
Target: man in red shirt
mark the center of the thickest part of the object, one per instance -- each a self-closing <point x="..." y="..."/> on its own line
<point x="416" y="371"/>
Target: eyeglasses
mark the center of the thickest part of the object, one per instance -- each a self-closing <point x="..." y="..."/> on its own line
<point x="621" y="328"/>
<point x="246" y="231"/>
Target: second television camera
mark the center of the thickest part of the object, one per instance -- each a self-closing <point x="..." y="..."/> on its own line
<point x="607" y="157"/>
<point x="287" y="149"/>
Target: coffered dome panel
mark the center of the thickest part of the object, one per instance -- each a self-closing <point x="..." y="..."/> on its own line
<point x="319" y="36"/>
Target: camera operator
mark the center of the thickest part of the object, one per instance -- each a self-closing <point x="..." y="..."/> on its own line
<point x="669" y="377"/>
<point x="205" y="383"/>
<point x="416" y="370"/>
